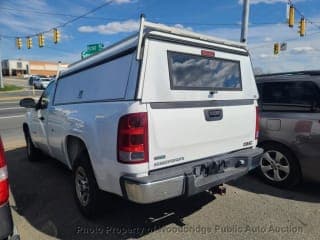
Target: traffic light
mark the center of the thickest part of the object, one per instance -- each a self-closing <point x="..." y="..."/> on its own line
<point x="56" y="35"/>
<point x="41" y="40"/>
<point x="302" y="27"/>
<point x="29" y="42"/>
<point x="291" y="16"/>
<point x="19" y="43"/>
<point x="276" y="48"/>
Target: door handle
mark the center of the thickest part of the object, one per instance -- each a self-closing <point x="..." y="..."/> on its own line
<point x="41" y="118"/>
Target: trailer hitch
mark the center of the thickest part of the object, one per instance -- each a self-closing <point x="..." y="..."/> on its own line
<point x="219" y="189"/>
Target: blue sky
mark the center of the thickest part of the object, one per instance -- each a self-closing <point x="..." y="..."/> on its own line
<point x="119" y="19"/>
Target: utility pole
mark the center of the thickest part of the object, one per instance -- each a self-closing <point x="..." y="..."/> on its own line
<point x="245" y="21"/>
<point x="1" y="78"/>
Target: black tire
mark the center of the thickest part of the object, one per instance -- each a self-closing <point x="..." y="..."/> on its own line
<point x="33" y="153"/>
<point x="285" y="170"/>
<point x="82" y="168"/>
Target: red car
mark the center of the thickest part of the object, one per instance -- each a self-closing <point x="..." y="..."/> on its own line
<point x="6" y="223"/>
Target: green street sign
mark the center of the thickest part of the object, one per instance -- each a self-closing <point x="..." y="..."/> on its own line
<point x="92" y="49"/>
<point x="95" y="47"/>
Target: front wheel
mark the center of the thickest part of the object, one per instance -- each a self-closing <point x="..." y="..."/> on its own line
<point x="86" y="191"/>
<point x="33" y="153"/>
<point x="279" y="167"/>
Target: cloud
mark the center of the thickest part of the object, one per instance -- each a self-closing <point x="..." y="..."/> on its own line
<point x="19" y="21"/>
<point x="263" y="55"/>
<point x="302" y="50"/>
<point x="120" y="27"/>
<point x="112" y="27"/>
<point x="178" y="25"/>
<point x="267" y="39"/>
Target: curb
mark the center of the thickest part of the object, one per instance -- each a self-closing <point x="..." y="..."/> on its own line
<point x="18" y="98"/>
<point x="11" y="145"/>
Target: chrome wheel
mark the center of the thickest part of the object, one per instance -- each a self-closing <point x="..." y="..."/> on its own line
<point x="275" y="166"/>
<point x="82" y="186"/>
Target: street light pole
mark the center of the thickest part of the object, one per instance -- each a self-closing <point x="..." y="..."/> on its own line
<point x="1" y="78"/>
<point x="58" y="69"/>
<point x="245" y="21"/>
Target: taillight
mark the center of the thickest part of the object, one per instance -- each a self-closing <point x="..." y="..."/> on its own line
<point x="4" y="185"/>
<point x="133" y="138"/>
<point x="257" y="123"/>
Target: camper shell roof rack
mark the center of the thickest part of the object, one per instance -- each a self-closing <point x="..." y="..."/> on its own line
<point x="135" y="42"/>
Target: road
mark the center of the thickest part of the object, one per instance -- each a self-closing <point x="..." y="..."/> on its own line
<point x="11" y="119"/>
<point x="11" y="114"/>
<point x="21" y="82"/>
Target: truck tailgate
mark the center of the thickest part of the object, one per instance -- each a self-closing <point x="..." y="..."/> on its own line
<point x="179" y="135"/>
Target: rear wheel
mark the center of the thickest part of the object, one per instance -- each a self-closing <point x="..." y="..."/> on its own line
<point x="279" y="167"/>
<point x="86" y="191"/>
<point x="33" y="153"/>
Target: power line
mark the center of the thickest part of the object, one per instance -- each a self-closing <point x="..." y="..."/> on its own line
<point x="291" y="23"/>
<point x="33" y="10"/>
<point x="302" y="15"/>
<point x="287" y="40"/>
<point x="65" y="23"/>
<point x="56" y="14"/>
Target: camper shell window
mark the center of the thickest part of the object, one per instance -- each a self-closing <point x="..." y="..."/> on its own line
<point x="195" y="72"/>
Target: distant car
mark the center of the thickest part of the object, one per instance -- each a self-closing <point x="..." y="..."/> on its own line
<point x="6" y="223"/>
<point x="32" y="78"/>
<point x="290" y="127"/>
<point x="41" y="83"/>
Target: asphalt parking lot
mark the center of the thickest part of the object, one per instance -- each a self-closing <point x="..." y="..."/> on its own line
<point x="43" y="207"/>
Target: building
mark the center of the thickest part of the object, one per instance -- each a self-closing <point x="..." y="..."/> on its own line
<point x="12" y="67"/>
<point x="45" y="68"/>
<point x="30" y="67"/>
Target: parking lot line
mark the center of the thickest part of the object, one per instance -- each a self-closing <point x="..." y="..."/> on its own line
<point x="8" y="102"/>
<point x="14" y="116"/>
<point x="12" y="108"/>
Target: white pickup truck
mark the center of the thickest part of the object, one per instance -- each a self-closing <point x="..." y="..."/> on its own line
<point x="161" y="114"/>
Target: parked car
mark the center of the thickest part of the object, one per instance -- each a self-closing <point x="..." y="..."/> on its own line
<point x="41" y="83"/>
<point x="162" y="114"/>
<point x="32" y="78"/>
<point x="6" y="223"/>
<point x="290" y="127"/>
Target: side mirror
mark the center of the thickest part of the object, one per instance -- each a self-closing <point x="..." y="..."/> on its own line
<point x="28" y="103"/>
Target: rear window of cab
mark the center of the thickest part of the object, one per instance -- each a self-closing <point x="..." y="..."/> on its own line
<point x="195" y="72"/>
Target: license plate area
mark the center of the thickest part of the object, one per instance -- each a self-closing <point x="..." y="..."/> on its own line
<point x="210" y="168"/>
<point x="218" y="167"/>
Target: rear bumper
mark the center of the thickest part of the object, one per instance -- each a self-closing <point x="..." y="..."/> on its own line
<point x="190" y="178"/>
<point x="6" y="223"/>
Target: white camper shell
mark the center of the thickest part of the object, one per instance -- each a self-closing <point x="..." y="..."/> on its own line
<point x="164" y="113"/>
